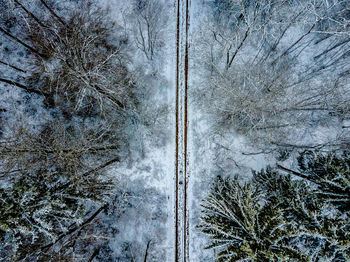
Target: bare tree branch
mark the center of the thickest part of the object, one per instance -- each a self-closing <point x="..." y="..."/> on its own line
<point x="30" y="13"/>
<point x="147" y="248"/>
<point x="97" y="250"/>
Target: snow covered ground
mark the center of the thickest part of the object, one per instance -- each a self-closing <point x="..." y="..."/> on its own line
<point x="146" y="181"/>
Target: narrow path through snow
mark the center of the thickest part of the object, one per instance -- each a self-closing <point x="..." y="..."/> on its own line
<point x="181" y="157"/>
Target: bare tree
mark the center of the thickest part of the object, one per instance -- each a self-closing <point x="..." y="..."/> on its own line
<point x="74" y="64"/>
<point x="266" y="80"/>
<point x="150" y="24"/>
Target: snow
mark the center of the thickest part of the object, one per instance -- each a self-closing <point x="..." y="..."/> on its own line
<point x="147" y="178"/>
<point x="152" y="219"/>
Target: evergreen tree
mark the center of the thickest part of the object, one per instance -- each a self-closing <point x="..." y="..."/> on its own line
<point x="323" y="228"/>
<point x="245" y="227"/>
<point x="330" y="173"/>
<point x="54" y="180"/>
<point x="299" y="216"/>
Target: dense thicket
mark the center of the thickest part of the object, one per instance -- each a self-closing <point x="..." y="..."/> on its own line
<point x="292" y="215"/>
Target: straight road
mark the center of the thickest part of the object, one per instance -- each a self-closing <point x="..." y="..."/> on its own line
<point x="181" y="143"/>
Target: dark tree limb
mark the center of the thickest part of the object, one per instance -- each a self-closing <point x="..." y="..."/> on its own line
<point x="30" y="13"/>
<point x="20" y="41"/>
<point x="294" y="44"/>
<point x="263" y="152"/>
<point x="293" y="172"/>
<point x="332" y="48"/>
<point x="13" y="67"/>
<point x="74" y="229"/>
<point x="110" y="97"/>
<point x="100" y="90"/>
<point x="318" y="146"/>
<point x="238" y="48"/>
<point x="97" y="250"/>
<point x="26" y="88"/>
<point x="114" y="160"/>
<point x="5" y="173"/>
<point x="53" y="12"/>
<point x="147" y="248"/>
<point x="110" y="162"/>
<point x="89" y="150"/>
<point x="324" y="184"/>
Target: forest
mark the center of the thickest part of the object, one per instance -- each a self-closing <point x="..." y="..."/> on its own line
<point x="89" y="130"/>
<point x="273" y="89"/>
<point x="73" y="108"/>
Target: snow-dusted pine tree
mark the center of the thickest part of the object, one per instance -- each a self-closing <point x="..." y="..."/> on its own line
<point x="300" y="216"/>
<point x="242" y="226"/>
<point x="55" y="181"/>
<point x="322" y="225"/>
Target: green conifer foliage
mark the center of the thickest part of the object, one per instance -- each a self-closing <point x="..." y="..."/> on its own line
<point x="54" y="183"/>
<point x="322" y="226"/>
<point x="243" y="226"/>
<point x="293" y="215"/>
<point x="330" y="173"/>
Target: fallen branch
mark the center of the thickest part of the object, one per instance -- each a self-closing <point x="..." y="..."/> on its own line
<point x="258" y="153"/>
